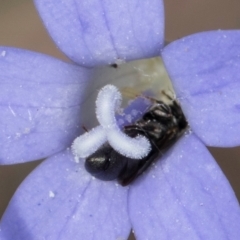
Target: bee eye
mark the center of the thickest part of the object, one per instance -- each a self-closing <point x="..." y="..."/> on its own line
<point x="105" y="164"/>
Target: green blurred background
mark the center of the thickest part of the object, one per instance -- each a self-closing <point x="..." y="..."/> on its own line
<point x="21" y="27"/>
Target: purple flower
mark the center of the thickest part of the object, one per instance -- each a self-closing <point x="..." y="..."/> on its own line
<point x="184" y="196"/>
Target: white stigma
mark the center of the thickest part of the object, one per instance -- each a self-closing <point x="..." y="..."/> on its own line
<point x="108" y="101"/>
<point x="89" y="142"/>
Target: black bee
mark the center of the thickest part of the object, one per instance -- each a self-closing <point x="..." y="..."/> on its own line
<point x="162" y="125"/>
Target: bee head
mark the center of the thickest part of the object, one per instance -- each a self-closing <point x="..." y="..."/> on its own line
<point x="105" y="164"/>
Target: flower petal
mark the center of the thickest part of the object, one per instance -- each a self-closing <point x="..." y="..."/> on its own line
<point x="40" y="104"/>
<point x="60" y="200"/>
<point x="184" y="196"/>
<point x="102" y="32"/>
<point x="204" y="69"/>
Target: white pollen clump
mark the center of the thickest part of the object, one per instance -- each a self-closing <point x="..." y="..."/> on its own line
<point x="51" y="194"/>
<point x="86" y="144"/>
<point x="3" y="53"/>
<point x="107" y="104"/>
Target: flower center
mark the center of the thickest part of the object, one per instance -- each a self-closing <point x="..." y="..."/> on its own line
<point x="123" y="148"/>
